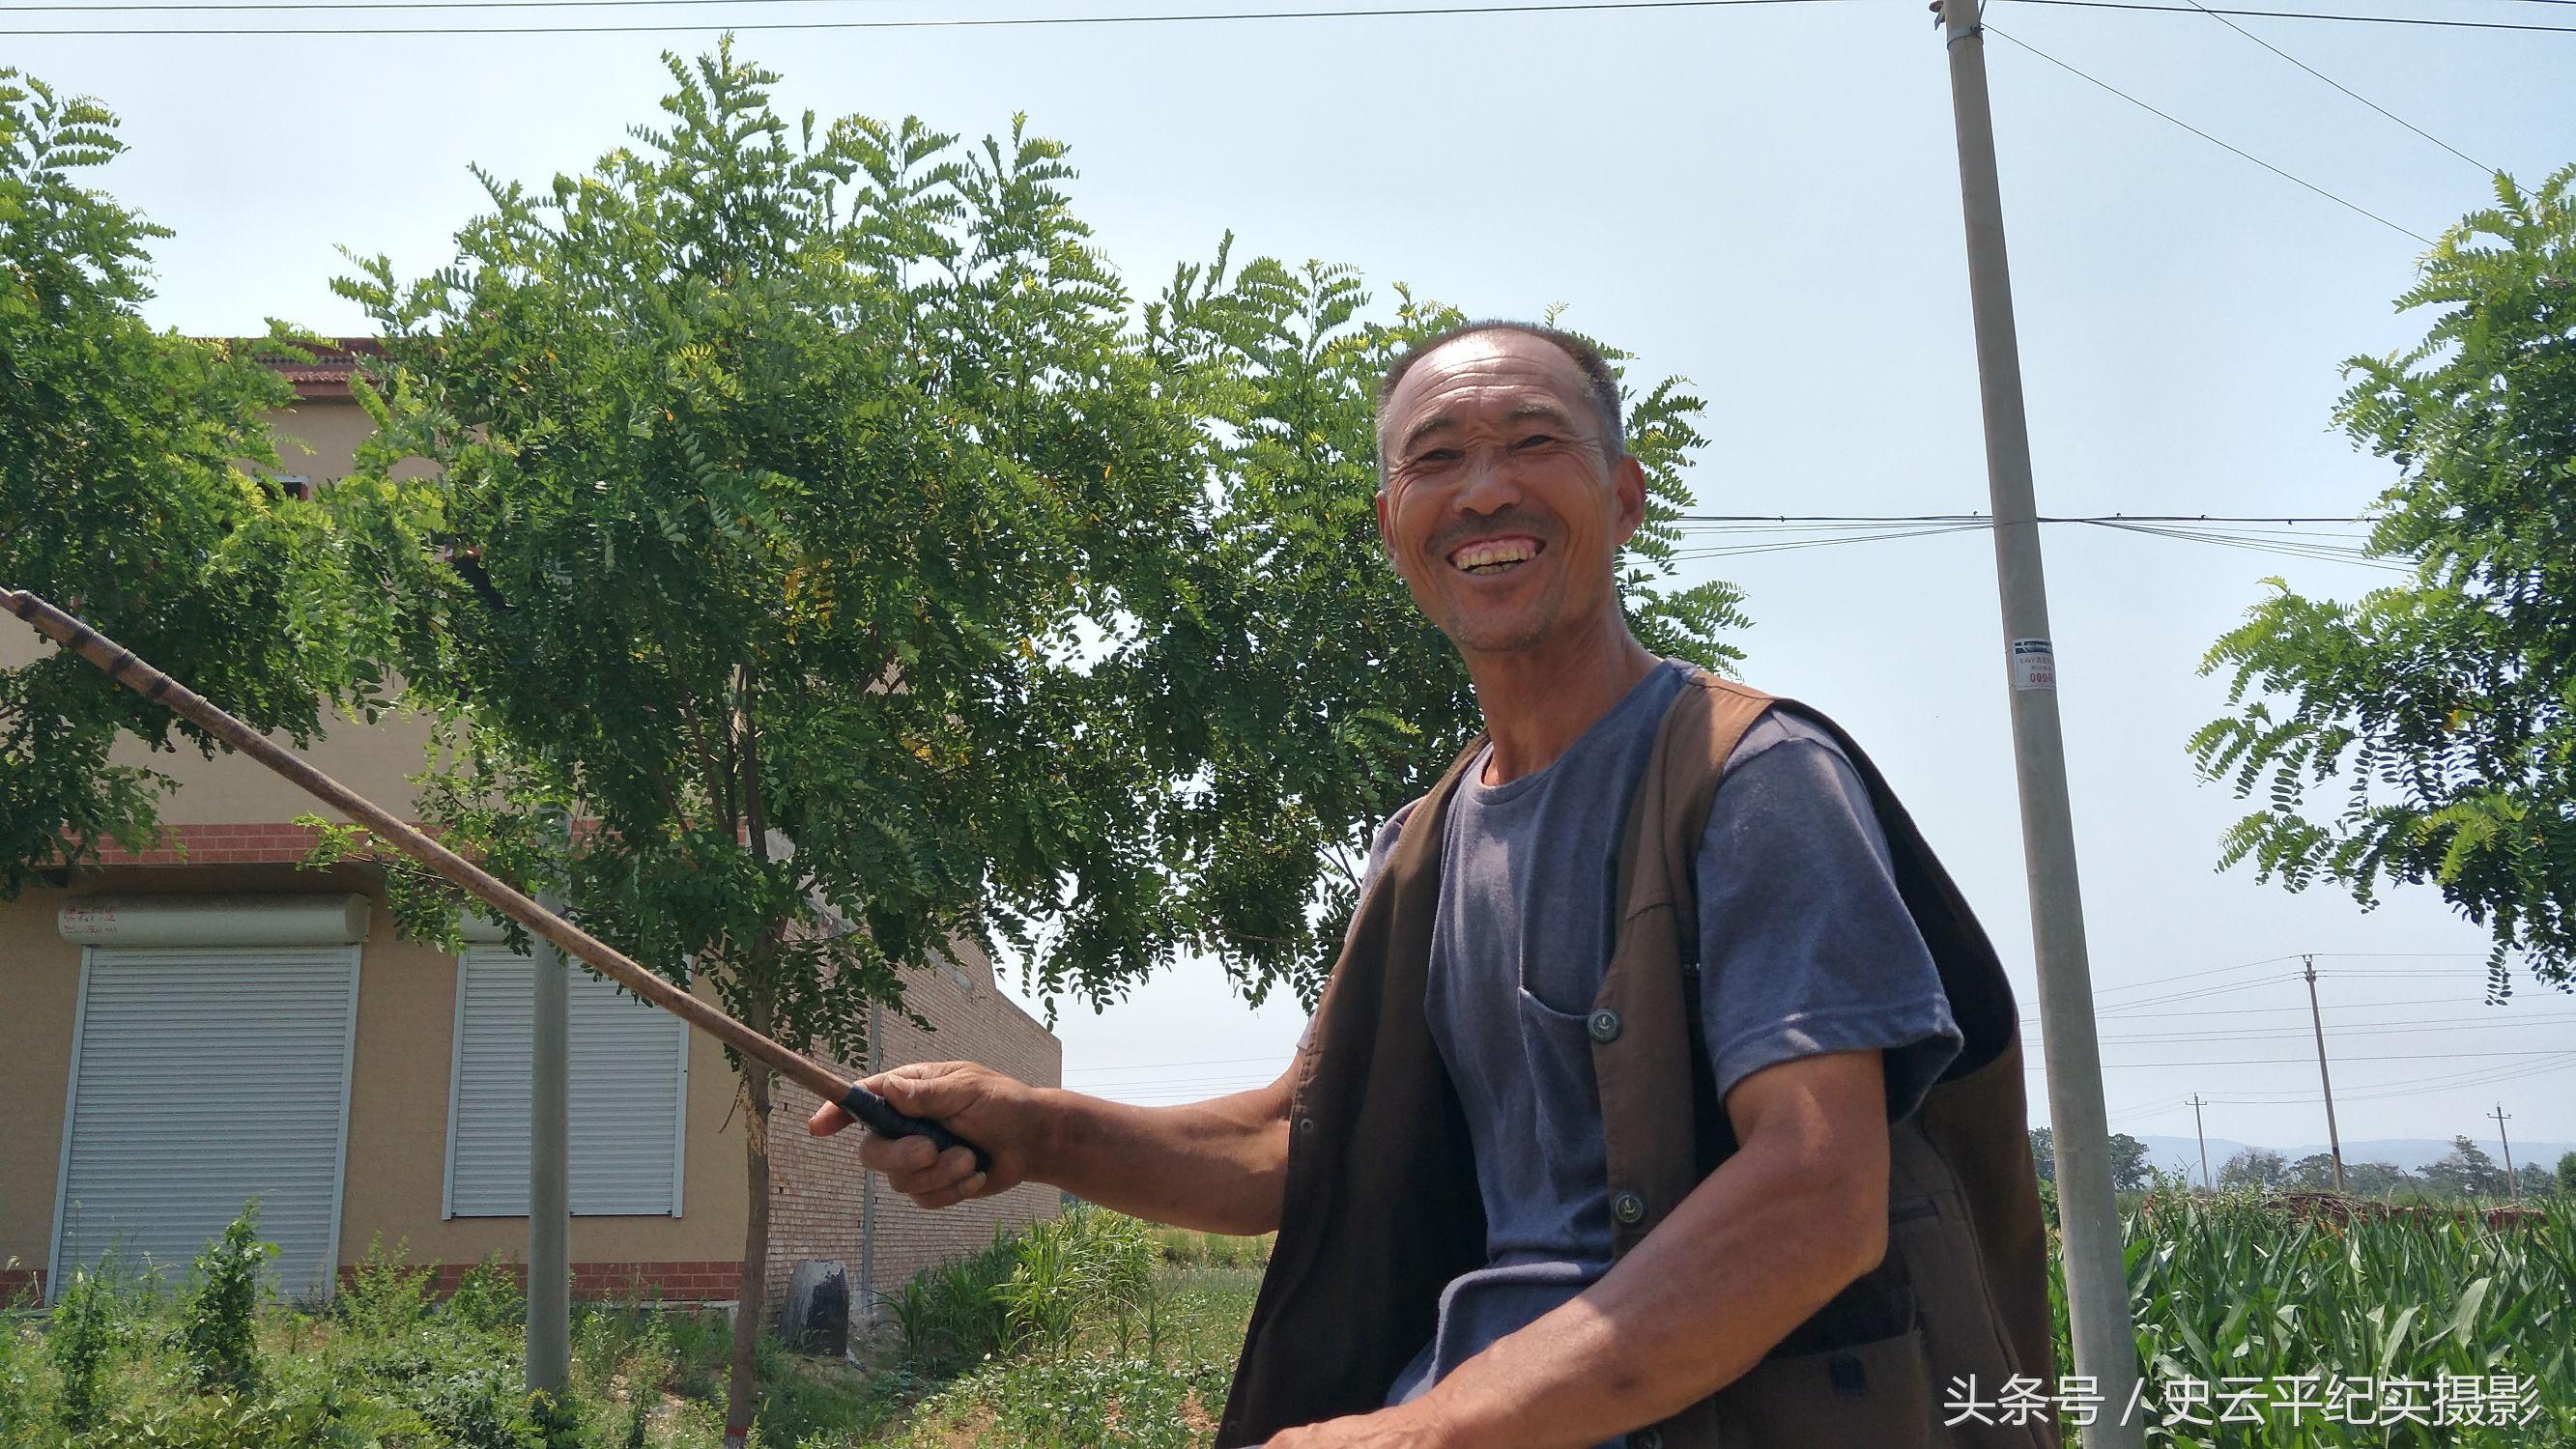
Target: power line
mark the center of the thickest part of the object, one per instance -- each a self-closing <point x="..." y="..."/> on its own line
<point x="2308" y="15"/>
<point x="2204" y="135"/>
<point x="1025" y="21"/>
<point x="1984" y="520"/>
<point x="2197" y="993"/>
<point x="2407" y="1028"/>
<point x="998" y="22"/>
<point x="2265" y="1010"/>
<point x="2190" y="975"/>
<point x="2339" y="85"/>
<point x="1166" y="1066"/>
<point x="2410" y="1086"/>
<point x="2303" y="1061"/>
<point x="1731" y="550"/>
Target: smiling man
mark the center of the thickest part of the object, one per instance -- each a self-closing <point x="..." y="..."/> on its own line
<point x="1638" y="1110"/>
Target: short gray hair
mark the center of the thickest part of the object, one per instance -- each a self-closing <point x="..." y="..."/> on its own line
<point x="1600" y="383"/>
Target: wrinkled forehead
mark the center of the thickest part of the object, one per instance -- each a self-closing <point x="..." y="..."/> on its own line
<point x="1485" y="378"/>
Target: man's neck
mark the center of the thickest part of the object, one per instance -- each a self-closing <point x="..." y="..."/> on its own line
<point x="1538" y="701"/>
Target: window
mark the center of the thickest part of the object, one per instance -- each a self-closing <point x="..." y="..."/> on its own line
<point x="629" y="1080"/>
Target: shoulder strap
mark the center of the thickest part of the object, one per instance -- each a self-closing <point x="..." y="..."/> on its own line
<point x="1731" y="710"/>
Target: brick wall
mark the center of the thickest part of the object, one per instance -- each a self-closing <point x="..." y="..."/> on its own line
<point x="817" y="1185"/>
<point x="709" y="1282"/>
<point x="18" y="1282"/>
<point x="274" y="843"/>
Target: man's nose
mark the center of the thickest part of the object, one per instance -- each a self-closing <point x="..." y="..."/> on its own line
<point x="1491" y="484"/>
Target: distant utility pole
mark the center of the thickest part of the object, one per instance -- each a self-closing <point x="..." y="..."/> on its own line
<point x="2097" y="1287"/>
<point x="2203" y="1135"/>
<point x="2316" y="1018"/>
<point x="2512" y="1188"/>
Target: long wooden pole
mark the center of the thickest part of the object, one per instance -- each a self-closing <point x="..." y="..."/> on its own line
<point x="125" y="668"/>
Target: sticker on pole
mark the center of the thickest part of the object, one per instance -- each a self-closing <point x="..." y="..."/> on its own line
<point x="2034" y="664"/>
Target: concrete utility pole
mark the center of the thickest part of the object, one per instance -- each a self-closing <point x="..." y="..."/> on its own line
<point x="2316" y="1018"/>
<point x="2512" y="1186"/>
<point x="550" y="1159"/>
<point x="2198" y="1131"/>
<point x="2097" y="1292"/>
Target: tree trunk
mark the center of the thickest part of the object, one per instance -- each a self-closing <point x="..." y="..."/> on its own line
<point x="742" y="1383"/>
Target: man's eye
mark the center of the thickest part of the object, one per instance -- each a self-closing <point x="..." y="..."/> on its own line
<point x="1436" y="456"/>
<point x="1535" y="440"/>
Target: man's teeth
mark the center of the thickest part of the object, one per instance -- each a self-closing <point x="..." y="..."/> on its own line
<point x="1494" y="556"/>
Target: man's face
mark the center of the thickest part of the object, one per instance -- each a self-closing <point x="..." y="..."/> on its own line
<point x="1499" y="509"/>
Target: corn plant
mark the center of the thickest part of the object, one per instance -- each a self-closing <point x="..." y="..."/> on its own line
<point x="2376" y="1309"/>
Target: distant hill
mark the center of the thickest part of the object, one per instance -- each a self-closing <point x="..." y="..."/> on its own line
<point x="2182" y="1154"/>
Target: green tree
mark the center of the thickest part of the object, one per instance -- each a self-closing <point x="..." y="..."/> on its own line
<point x="2043" y="1152"/>
<point x="2441" y="701"/>
<point x="2567" y="1174"/>
<point x="2465" y="1171"/>
<point x="2259" y="1168"/>
<point x="2376" y="1179"/>
<point x="788" y="480"/>
<point x="2130" y="1170"/>
<point x="2312" y="1173"/>
<point x="130" y="492"/>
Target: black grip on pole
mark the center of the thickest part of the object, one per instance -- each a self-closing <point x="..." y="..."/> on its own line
<point x="879" y="1116"/>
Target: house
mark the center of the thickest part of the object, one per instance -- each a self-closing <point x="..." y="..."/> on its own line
<point x="204" y="1023"/>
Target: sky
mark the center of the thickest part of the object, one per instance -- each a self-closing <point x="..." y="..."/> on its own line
<point x="1760" y="199"/>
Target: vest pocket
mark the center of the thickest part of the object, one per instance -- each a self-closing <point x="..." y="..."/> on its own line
<point x="1878" y="1394"/>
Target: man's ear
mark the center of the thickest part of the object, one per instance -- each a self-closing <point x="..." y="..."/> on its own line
<point x="1628" y="481"/>
<point x="1384" y="546"/>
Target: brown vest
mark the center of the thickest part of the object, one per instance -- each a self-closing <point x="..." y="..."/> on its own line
<point x="1381" y="1208"/>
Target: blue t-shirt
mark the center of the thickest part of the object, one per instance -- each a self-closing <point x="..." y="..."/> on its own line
<point x="1805" y="947"/>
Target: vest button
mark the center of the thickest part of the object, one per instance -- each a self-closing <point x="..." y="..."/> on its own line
<point x="1305" y="1124"/>
<point x="1627" y="1207"/>
<point x="1646" y="1439"/>
<point x="1604" y="1025"/>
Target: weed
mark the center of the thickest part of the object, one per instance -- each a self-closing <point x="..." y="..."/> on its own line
<point x="89" y="1331"/>
<point x="385" y="1297"/>
<point x="949" y="1314"/>
<point x="488" y="1298"/>
<point x="218" y="1309"/>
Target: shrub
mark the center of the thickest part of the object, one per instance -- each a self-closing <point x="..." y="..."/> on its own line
<point x="218" y="1312"/>
<point x="17" y="1381"/>
<point x="1075" y="1403"/>
<point x="386" y="1296"/>
<point x="1083" y="1264"/>
<point x="89" y="1330"/>
<point x="482" y="1407"/>
<point x="948" y="1313"/>
<point x="488" y="1298"/>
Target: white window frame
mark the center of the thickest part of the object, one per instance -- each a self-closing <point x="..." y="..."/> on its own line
<point x="71" y="1101"/>
<point x="455" y="1094"/>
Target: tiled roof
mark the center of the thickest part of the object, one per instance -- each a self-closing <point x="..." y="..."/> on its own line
<point x="326" y="372"/>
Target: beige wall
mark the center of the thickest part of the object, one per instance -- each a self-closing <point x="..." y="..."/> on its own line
<point x="397" y="1102"/>
<point x="39" y="995"/>
<point x="370" y="760"/>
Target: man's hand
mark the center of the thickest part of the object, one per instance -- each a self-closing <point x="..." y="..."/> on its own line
<point x="1407" y="1426"/>
<point x="1007" y="1118"/>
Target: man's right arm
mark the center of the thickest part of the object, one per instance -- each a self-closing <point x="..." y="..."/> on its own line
<point x="1218" y="1166"/>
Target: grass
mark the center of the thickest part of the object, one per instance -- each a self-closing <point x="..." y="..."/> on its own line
<point x="1097" y="1331"/>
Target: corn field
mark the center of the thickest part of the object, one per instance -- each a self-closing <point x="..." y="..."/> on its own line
<point x="2282" y="1330"/>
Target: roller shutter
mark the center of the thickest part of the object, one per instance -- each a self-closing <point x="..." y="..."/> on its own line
<point x="203" y="1077"/>
<point x="629" y="1075"/>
